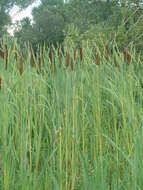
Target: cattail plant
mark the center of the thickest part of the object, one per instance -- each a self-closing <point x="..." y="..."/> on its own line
<point x="107" y="52"/>
<point x="125" y="55"/>
<point x="15" y="53"/>
<point x="32" y="59"/>
<point x="71" y="64"/>
<point x="39" y="62"/>
<point x="21" y="66"/>
<point x="1" y="54"/>
<point x="51" y="60"/>
<point x="67" y="59"/>
<point x="6" y="57"/>
<point x="51" y="56"/>
<point x="97" y="58"/>
<point x="81" y="54"/>
<point x="0" y="83"/>
<point x="129" y="59"/>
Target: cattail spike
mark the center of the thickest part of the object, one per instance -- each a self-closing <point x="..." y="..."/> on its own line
<point x="125" y="55"/>
<point x="107" y="52"/>
<point x="128" y="59"/>
<point x="67" y="59"/>
<point x="0" y="83"/>
<point x="97" y="59"/>
<point x="39" y="63"/>
<point x="32" y="60"/>
<point x="51" y="56"/>
<point x="81" y="54"/>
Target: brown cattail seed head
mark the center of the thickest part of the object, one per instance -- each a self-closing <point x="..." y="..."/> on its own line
<point x="39" y="63"/>
<point x="67" y="59"/>
<point x="81" y="54"/>
<point x="50" y="56"/>
<point x="97" y="59"/>
<point x="125" y="55"/>
<point x="0" y="82"/>
<point x="107" y="52"/>
<point x="128" y="59"/>
<point x="32" y="60"/>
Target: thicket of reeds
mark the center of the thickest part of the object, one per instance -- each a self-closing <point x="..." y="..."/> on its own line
<point x="70" y="120"/>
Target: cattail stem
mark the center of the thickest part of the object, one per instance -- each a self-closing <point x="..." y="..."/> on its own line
<point x="6" y="57"/>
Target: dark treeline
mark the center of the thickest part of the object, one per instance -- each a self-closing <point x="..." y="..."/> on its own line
<point x="74" y="21"/>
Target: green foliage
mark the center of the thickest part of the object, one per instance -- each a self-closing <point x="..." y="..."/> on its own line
<point x="62" y="129"/>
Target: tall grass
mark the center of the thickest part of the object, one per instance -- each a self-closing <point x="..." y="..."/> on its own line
<point x="71" y="128"/>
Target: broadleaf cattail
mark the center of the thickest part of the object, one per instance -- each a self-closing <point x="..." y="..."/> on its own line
<point x="51" y="56"/>
<point x="39" y="63"/>
<point x="72" y="64"/>
<point x="81" y="54"/>
<point x="1" y="54"/>
<point x="21" y="66"/>
<point x="67" y="59"/>
<point x="125" y="55"/>
<point x="74" y="53"/>
<point x="128" y="59"/>
<point x="6" y="57"/>
<point x="107" y="52"/>
<point x="32" y="59"/>
<point x="15" y="53"/>
<point x="0" y="83"/>
<point x="97" y="59"/>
